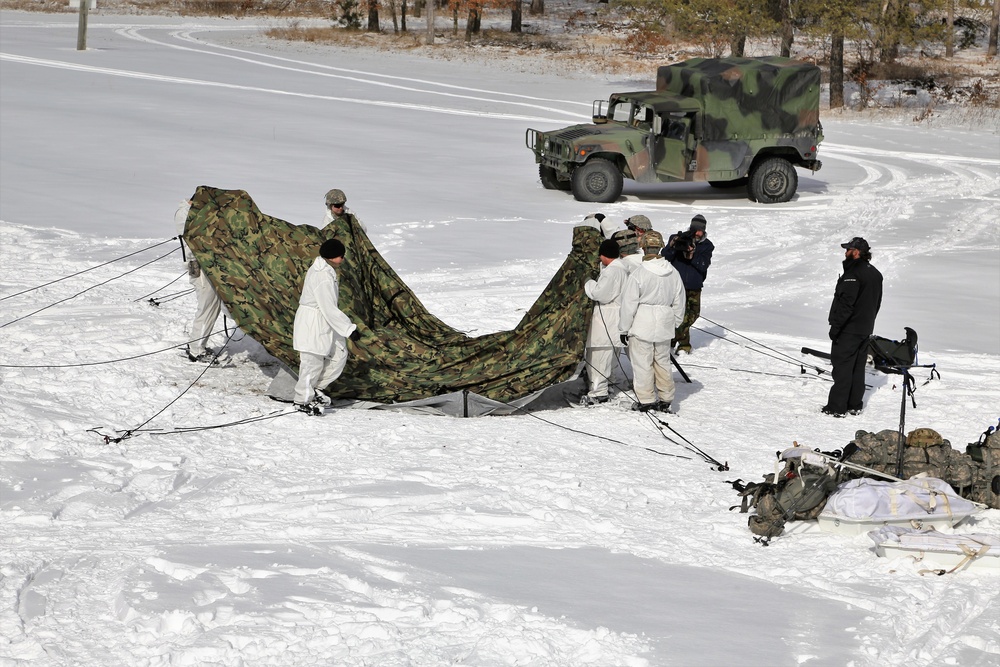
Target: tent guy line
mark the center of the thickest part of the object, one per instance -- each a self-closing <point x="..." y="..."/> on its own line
<point x="73" y="275"/>
<point x="73" y="296"/>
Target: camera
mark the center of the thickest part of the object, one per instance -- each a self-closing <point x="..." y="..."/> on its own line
<point x="683" y="243"/>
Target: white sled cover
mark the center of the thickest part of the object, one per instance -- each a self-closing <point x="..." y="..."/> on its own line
<point x="866" y="503"/>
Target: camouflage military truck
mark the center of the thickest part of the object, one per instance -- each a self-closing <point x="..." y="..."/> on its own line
<point x="732" y="122"/>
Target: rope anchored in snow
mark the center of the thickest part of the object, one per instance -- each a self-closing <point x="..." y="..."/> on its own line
<point x="778" y="355"/>
<point x="163" y="288"/>
<point x="23" y="317"/>
<point x="129" y="432"/>
<point x="73" y="275"/>
<point x="687" y="444"/>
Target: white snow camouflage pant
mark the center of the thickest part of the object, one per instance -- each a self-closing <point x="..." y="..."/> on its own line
<point x="651" y="372"/>
<point x="316" y="372"/>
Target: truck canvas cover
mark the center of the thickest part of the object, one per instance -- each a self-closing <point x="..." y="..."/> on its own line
<point x="748" y="97"/>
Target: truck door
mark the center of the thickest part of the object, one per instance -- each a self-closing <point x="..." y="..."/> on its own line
<point x="674" y="147"/>
<point x="640" y="152"/>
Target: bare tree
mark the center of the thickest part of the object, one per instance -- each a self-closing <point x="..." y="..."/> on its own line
<point x="537" y="7"/>
<point x="474" y="22"/>
<point x="373" y="16"/>
<point x="787" y="30"/>
<point x="837" y="70"/>
<point x="515" y="16"/>
<point x="738" y="46"/>
<point x="949" y="39"/>
<point x="991" y="50"/>
<point x="430" y="22"/>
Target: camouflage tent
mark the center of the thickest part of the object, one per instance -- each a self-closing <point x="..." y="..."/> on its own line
<point x="257" y="264"/>
<point x="744" y="95"/>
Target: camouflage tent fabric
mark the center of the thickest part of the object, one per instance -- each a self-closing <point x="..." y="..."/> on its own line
<point x="745" y="96"/>
<point x="257" y="264"/>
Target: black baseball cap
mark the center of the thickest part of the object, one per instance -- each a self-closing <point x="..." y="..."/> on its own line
<point x="857" y="243"/>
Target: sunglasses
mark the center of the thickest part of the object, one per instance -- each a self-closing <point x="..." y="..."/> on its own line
<point x="340" y="205"/>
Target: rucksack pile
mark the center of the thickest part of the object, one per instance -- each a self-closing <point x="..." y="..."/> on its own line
<point x="795" y="492"/>
<point x="975" y="475"/>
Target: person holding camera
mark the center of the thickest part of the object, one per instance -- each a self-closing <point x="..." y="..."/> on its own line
<point x="690" y="252"/>
<point x="856" y="302"/>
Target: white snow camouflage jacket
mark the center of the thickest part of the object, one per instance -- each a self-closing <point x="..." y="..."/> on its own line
<point x="319" y="323"/>
<point x="607" y="292"/>
<point x="653" y="302"/>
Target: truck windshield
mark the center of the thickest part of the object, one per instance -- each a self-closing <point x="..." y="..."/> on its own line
<point x="620" y="112"/>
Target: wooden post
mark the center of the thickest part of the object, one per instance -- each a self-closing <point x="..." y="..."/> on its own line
<point x="81" y="31"/>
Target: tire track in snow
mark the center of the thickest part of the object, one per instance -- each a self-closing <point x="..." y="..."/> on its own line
<point x="187" y="36"/>
<point x="57" y="64"/>
<point x="133" y="33"/>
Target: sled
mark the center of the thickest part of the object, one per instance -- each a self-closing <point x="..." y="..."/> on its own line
<point x="940" y="551"/>
<point x="863" y="505"/>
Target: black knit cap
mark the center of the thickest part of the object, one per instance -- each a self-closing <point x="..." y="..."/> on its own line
<point x="331" y="249"/>
<point x="610" y="249"/>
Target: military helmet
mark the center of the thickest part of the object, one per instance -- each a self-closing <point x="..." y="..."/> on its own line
<point x="335" y="196"/>
<point x="651" y="241"/>
<point x="640" y="222"/>
<point x="923" y="437"/>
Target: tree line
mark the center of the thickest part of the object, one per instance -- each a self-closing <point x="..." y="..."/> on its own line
<point x="873" y="33"/>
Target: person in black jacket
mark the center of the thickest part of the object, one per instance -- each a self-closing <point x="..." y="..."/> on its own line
<point x="856" y="302"/>
<point x="690" y="253"/>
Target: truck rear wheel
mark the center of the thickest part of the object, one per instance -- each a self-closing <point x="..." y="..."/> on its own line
<point x="597" y="181"/>
<point x="772" y="181"/>
<point x="550" y="181"/>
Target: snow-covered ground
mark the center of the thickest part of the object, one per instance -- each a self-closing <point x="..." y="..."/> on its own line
<point x="379" y="538"/>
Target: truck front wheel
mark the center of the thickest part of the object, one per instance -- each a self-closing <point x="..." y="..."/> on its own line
<point x="772" y="181"/>
<point x="597" y="181"/>
<point x="550" y="181"/>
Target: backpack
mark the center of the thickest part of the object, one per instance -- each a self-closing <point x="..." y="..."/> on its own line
<point x="888" y="355"/>
<point x="975" y="474"/>
<point x="985" y="454"/>
<point x="799" y="494"/>
<point x="628" y="241"/>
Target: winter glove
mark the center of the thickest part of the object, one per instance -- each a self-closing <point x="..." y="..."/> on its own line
<point x="355" y="335"/>
<point x="833" y="334"/>
<point x="624" y="338"/>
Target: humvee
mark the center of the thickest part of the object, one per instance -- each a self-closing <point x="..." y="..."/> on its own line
<point x="732" y="122"/>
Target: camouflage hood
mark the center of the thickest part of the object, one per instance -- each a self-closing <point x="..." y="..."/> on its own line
<point x="257" y="264"/>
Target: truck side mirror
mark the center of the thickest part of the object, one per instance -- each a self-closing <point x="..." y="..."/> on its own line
<point x="600" y="113"/>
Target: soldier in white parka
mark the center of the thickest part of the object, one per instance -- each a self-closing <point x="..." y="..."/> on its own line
<point x="209" y="303"/>
<point x="603" y="345"/>
<point x="321" y="330"/>
<point x="653" y="301"/>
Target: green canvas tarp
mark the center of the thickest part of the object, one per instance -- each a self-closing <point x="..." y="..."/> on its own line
<point x="745" y="98"/>
<point x="257" y="264"/>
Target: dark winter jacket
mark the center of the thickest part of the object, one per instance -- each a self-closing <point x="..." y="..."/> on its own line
<point x="692" y="271"/>
<point x="856" y="300"/>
